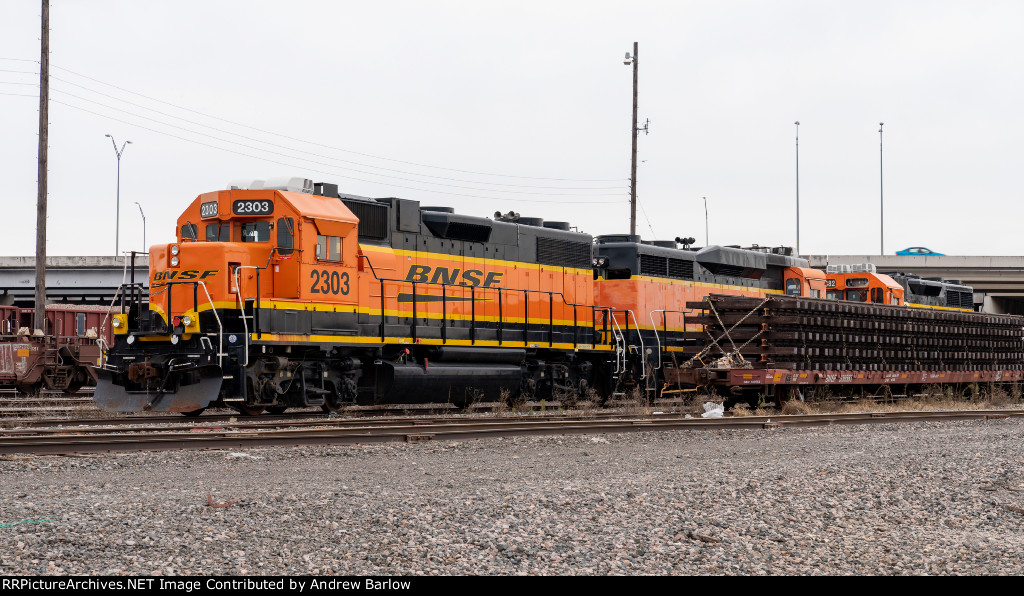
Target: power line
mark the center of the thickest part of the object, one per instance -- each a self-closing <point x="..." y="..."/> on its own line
<point x="644" y="211"/>
<point x="300" y="150"/>
<point x="328" y="173"/>
<point x="330" y="146"/>
<point x="65" y="93"/>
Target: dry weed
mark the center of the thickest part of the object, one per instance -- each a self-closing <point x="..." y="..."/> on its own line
<point x="740" y="409"/>
<point x="795" y="406"/>
<point x="636" y="402"/>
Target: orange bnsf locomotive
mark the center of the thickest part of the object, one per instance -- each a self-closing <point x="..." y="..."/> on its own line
<point x="298" y="296"/>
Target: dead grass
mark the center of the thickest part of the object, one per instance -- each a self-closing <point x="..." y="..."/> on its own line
<point x="740" y="409"/>
<point x="932" y="398"/>
<point x="504" y="404"/>
<point x="795" y="406"/>
<point x="636" y="403"/>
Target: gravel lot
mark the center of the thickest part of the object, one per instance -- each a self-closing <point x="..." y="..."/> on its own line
<point x="925" y="498"/>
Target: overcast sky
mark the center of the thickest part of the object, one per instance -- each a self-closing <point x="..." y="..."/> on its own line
<point x="526" y="106"/>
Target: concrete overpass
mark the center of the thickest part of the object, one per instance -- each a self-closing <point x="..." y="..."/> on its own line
<point x="68" y="279"/>
<point x="998" y="282"/>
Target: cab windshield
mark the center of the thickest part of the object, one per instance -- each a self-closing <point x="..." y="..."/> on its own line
<point x="257" y="231"/>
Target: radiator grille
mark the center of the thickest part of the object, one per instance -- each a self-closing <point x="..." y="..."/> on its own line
<point x="563" y="253"/>
<point x="373" y="219"/>
<point x="652" y="265"/>
<point x="958" y="299"/>
<point x="680" y="269"/>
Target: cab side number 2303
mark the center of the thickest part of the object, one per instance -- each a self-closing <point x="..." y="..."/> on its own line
<point x="329" y="282"/>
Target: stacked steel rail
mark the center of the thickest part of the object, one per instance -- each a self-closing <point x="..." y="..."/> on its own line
<point x="783" y="340"/>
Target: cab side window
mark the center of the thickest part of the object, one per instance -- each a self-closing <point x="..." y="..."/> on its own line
<point x="189" y="232"/>
<point x="792" y="287"/>
<point x="328" y="248"/>
<point x="285" y="235"/>
<point x="876" y="296"/>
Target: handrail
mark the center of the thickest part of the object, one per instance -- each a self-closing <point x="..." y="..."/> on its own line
<point x="257" y="301"/>
<point x="620" y="339"/>
<point x="664" y="322"/>
<point x="241" y="306"/>
<point x="473" y="289"/>
<point x="213" y="309"/>
<point x="643" y="369"/>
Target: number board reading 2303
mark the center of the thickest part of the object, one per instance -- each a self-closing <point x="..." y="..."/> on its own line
<point x="250" y="207"/>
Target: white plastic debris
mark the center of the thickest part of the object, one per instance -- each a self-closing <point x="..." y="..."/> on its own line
<point x="713" y="410"/>
<point x="236" y="455"/>
<point x="598" y="440"/>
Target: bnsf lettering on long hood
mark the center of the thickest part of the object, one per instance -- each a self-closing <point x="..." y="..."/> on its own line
<point x="185" y="275"/>
<point x="470" y="277"/>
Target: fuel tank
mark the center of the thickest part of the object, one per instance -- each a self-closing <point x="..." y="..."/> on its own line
<point x="458" y="383"/>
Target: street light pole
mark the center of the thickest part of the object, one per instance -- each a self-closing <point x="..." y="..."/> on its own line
<point x="881" y="194"/>
<point x="145" y="248"/>
<point x="797" y="187"/>
<point x="117" y="217"/>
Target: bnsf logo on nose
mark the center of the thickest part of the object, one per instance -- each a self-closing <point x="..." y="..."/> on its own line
<point x="470" y="277"/>
<point x="183" y="275"/>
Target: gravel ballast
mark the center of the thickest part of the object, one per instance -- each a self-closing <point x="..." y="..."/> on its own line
<point x="922" y="498"/>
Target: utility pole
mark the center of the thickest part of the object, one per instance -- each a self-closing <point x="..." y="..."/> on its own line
<point x="881" y="195"/>
<point x="632" y="175"/>
<point x="44" y="100"/>
<point x="797" y="187"/>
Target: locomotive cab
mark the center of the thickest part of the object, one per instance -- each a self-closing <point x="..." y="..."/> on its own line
<point x="242" y="263"/>
<point x="804" y="281"/>
<point x="860" y="283"/>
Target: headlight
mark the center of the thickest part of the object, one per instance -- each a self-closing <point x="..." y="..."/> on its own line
<point x="115" y="323"/>
<point x="186" y="320"/>
<point x="174" y="249"/>
<point x="174" y="261"/>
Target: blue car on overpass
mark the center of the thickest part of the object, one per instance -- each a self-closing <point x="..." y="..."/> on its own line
<point x="919" y="251"/>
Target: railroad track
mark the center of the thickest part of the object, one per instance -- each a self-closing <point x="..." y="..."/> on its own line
<point x="14" y="404"/>
<point x="253" y="433"/>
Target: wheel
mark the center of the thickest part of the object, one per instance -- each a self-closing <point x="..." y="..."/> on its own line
<point x="249" y="410"/>
<point x="336" y="400"/>
<point x="277" y="410"/>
